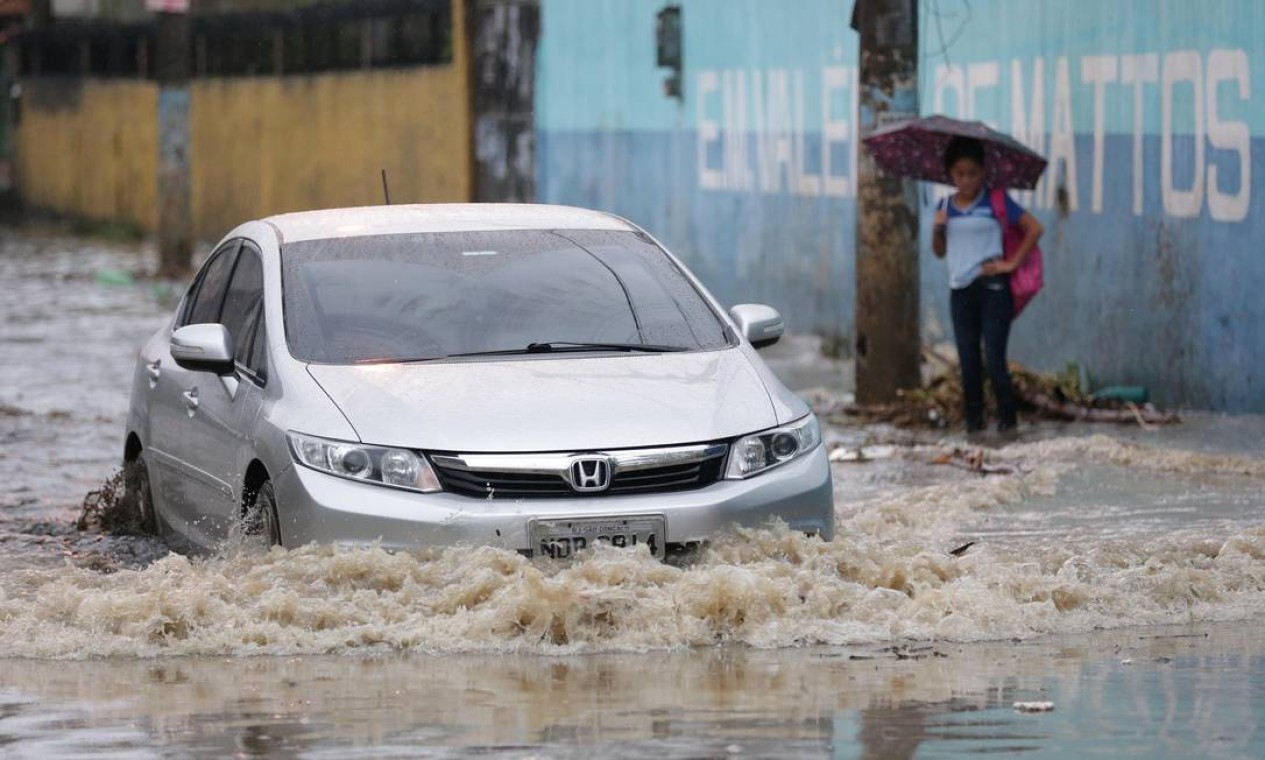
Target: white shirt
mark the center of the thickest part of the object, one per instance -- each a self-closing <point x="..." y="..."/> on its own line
<point x="972" y="236"/>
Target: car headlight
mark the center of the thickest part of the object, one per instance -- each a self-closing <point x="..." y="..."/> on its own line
<point x="757" y="453"/>
<point x="400" y="468"/>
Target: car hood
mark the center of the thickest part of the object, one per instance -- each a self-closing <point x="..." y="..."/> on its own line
<point x="564" y="403"/>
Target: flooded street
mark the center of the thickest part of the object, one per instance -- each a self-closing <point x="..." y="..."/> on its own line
<point x="1115" y="572"/>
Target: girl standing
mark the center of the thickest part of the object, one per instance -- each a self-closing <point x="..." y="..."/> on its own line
<point x="968" y="232"/>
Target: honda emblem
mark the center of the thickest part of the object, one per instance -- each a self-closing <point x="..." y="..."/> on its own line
<point x="589" y="474"/>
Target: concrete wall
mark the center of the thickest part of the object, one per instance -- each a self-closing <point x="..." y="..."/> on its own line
<point x="750" y="177"/>
<point x="1153" y="203"/>
<point x="90" y="148"/>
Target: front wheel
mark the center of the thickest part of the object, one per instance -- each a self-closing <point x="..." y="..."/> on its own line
<point x="137" y="513"/>
<point x="260" y="521"/>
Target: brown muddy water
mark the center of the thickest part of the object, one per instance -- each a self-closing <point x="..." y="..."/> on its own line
<point x="1116" y="573"/>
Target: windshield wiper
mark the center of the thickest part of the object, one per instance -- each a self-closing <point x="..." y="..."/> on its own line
<point x="393" y="360"/>
<point x="552" y="347"/>
<point x="566" y="345"/>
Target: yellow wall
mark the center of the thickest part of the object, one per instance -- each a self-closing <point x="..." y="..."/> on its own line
<point x="90" y="148"/>
<point x="266" y="146"/>
<point x="259" y="145"/>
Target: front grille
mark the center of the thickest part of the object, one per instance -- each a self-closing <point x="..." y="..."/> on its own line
<point x="507" y="484"/>
<point x="680" y="477"/>
<point x="516" y="485"/>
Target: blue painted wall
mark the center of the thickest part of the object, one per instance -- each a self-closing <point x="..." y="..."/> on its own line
<point x="1146" y="108"/>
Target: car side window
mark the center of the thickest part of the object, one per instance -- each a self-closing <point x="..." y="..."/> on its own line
<point x="207" y="297"/>
<point x="245" y="289"/>
<point x="259" y="347"/>
<point x="250" y="353"/>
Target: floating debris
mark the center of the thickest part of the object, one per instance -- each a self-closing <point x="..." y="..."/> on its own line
<point x="974" y="460"/>
<point x="1034" y="707"/>
<point x="110" y="276"/>
<point x="862" y="453"/>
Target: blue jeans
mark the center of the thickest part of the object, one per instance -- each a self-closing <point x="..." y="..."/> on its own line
<point x="984" y="310"/>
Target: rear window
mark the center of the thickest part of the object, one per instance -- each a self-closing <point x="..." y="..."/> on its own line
<point x="427" y="296"/>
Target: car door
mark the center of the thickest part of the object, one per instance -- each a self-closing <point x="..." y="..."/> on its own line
<point x="219" y="430"/>
<point x="188" y="484"/>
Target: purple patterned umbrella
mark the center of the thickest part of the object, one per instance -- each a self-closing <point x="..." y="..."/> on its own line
<point x="915" y="149"/>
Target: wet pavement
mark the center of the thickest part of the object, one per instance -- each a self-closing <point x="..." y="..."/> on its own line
<point x="1116" y="572"/>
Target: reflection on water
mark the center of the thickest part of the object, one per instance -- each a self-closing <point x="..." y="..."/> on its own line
<point x="1164" y="692"/>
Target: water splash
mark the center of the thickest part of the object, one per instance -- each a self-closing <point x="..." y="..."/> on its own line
<point x="888" y="576"/>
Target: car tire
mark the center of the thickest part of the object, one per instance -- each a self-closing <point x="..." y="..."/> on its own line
<point x="260" y="520"/>
<point x="139" y="497"/>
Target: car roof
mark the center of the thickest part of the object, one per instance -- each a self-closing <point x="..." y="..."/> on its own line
<point x="437" y="217"/>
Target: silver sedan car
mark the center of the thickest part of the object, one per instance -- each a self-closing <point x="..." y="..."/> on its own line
<point x="540" y="378"/>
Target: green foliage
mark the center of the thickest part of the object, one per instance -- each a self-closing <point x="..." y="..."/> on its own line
<point x="1067" y="385"/>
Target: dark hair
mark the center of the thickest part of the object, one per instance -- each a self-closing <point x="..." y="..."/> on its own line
<point x="963" y="147"/>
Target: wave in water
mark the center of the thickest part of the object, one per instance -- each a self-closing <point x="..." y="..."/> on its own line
<point x="888" y="576"/>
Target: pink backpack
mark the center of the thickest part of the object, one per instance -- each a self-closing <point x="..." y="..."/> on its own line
<point x="1026" y="281"/>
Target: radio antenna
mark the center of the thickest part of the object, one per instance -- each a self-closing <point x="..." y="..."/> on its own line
<point x="386" y="193"/>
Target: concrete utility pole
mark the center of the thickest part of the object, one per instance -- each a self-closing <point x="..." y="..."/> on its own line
<point x="175" y="207"/>
<point x="888" y="340"/>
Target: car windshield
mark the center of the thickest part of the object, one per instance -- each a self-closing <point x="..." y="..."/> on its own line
<point x="417" y="297"/>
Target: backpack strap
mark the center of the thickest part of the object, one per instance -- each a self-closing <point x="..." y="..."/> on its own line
<point x="997" y="196"/>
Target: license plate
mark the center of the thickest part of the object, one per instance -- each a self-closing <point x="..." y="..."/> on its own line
<point x="560" y="539"/>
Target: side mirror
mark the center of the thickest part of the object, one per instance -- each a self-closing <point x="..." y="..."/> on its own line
<point x="760" y="324"/>
<point x="203" y="348"/>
